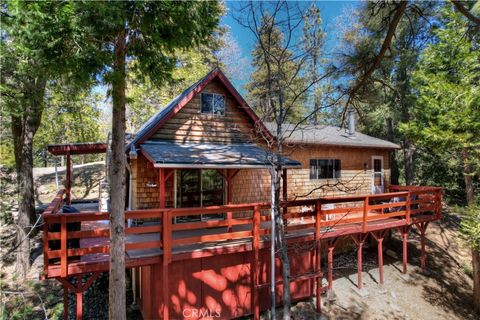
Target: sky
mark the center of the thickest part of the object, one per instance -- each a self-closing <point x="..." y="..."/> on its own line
<point x="329" y="10"/>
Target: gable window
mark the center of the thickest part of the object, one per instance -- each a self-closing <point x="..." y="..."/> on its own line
<point x="213" y="103"/>
<point x="325" y="168"/>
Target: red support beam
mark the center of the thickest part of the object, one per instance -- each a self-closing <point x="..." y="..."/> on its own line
<point x="318" y="255"/>
<point x="379" y="236"/>
<point x="359" y="241"/>
<point x="330" y="246"/>
<point x="404" y="231"/>
<point x="79" y="295"/>
<point x="422" y="227"/>
<point x="256" y="258"/>
<point x="68" y="179"/>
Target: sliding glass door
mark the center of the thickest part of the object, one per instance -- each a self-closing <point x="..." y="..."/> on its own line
<point x="199" y="188"/>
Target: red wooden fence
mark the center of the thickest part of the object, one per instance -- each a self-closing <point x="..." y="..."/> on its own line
<point x="404" y="204"/>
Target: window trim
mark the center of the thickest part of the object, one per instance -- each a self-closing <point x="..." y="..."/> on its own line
<point x="212" y="113"/>
<point x="334" y="169"/>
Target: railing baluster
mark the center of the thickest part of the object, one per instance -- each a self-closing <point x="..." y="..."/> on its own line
<point x="46" y="247"/>
<point x="318" y="253"/>
<point x="365" y="213"/>
<point x="408" y="207"/>
<point x="63" y="246"/>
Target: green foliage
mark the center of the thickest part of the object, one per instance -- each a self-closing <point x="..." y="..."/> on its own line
<point x="284" y="78"/>
<point x="155" y="29"/>
<point x="72" y="116"/>
<point x="446" y="117"/>
<point x="146" y="98"/>
<point x="471" y="225"/>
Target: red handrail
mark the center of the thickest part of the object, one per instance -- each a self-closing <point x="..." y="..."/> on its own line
<point x="360" y="210"/>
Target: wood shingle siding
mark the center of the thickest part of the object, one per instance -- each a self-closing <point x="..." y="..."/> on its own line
<point x="190" y="125"/>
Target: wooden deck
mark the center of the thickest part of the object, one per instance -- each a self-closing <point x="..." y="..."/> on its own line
<point x="153" y="234"/>
<point x="173" y="255"/>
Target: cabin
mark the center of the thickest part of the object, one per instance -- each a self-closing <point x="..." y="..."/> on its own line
<point x="197" y="208"/>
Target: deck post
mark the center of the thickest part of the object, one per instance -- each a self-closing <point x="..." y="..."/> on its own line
<point x="166" y="260"/>
<point x="365" y="213"/>
<point x="68" y="179"/>
<point x="404" y="230"/>
<point x="359" y="241"/>
<point x="256" y="257"/>
<point x="422" y="227"/>
<point x="229" y="198"/>
<point x="63" y="247"/>
<point x="65" y="302"/>
<point x="408" y="207"/>
<point x="331" y="246"/>
<point x="379" y="236"/>
<point x="285" y="190"/>
<point x="318" y="255"/>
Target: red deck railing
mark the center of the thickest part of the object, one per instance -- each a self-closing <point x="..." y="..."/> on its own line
<point x="155" y="228"/>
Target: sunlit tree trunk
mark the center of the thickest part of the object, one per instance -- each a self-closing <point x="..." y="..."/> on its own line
<point x="24" y="127"/>
<point x="117" y="302"/>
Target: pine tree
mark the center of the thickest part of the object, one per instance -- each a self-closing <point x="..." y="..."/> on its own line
<point x="284" y="70"/>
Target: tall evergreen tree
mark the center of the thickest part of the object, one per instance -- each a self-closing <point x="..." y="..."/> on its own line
<point x="314" y="41"/>
<point x="38" y="46"/>
<point x="446" y="118"/>
<point x="271" y="55"/>
<point x="147" y="33"/>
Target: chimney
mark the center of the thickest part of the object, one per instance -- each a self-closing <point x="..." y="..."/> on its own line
<point x="351" y="122"/>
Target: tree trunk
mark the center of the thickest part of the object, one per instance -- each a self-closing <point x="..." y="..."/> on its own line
<point x="24" y="128"/>
<point x="476" y="278"/>
<point x="117" y="302"/>
<point x="408" y="152"/>
<point x="282" y="244"/>
<point x="394" y="167"/>
<point x="467" y="177"/>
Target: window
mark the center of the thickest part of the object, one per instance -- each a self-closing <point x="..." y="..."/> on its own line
<point x="325" y="168"/>
<point x="213" y="103"/>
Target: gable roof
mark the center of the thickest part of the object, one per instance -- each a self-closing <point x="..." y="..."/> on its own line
<point x="329" y="135"/>
<point x="174" y="106"/>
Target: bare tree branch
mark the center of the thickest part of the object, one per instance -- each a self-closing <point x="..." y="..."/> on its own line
<point x="459" y="6"/>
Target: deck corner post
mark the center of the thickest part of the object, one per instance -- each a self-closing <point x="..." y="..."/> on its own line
<point x="167" y="219"/>
<point x="68" y="179"/>
<point x="408" y="208"/>
<point x="318" y="256"/>
<point x="256" y="257"/>
<point x="63" y="246"/>
<point x="365" y="213"/>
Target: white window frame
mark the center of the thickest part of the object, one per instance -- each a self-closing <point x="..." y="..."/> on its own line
<point x="212" y="112"/>
<point x="373" y="173"/>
